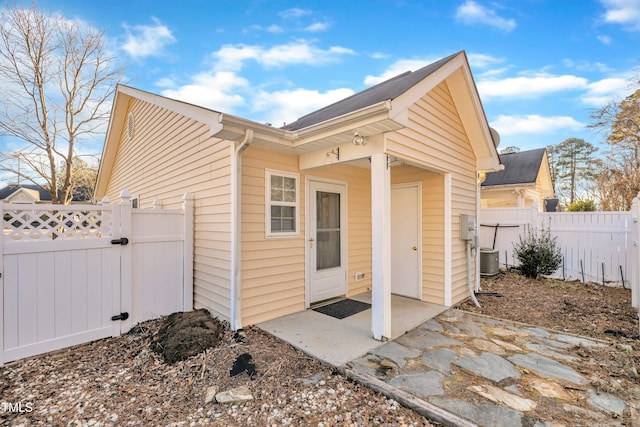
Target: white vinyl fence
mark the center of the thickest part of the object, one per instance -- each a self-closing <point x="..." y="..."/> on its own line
<point x="76" y="273"/>
<point x="595" y="246"/>
<point x="602" y="247"/>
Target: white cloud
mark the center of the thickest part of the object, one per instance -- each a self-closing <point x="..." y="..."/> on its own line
<point x="233" y="57"/>
<point x="218" y="91"/>
<point x="533" y="124"/>
<point x="623" y="12"/>
<point x="147" y="40"/>
<point x="529" y="86"/>
<point x="606" y="90"/>
<point x="289" y="105"/>
<point x="403" y="65"/>
<point x="397" y="68"/>
<point x="473" y="13"/>
<point x="480" y="60"/>
<point x="604" y="39"/>
<point x="294" y="12"/>
<point x="317" y="27"/>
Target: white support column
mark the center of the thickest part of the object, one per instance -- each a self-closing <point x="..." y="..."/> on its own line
<point x="126" y="260"/>
<point x="187" y="269"/>
<point x="635" y="254"/>
<point x="634" y="279"/>
<point x="381" y="247"/>
<point x="2" y="285"/>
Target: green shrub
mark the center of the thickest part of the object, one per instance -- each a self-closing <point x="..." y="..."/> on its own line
<point x="538" y="253"/>
<point x="582" y="206"/>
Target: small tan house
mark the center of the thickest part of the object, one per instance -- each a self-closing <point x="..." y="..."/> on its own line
<point x="525" y="181"/>
<point x="364" y="195"/>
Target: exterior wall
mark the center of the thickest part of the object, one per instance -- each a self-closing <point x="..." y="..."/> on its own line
<point x="273" y="269"/>
<point x="437" y="140"/>
<point x="273" y="276"/>
<point x="505" y="198"/>
<point x="167" y="156"/>
<point x="432" y="228"/>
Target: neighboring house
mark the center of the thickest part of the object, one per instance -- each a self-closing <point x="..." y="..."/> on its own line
<point x="29" y="193"/>
<point x="524" y="181"/>
<point x="363" y="195"/>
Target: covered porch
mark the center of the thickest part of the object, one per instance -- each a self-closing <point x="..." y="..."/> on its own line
<point x="338" y="341"/>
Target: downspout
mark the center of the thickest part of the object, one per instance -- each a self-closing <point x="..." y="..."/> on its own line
<point x="473" y="244"/>
<point x="236" y="230"/>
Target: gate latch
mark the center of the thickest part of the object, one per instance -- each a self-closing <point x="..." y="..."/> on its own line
<point x="121" y="316"/>
<point x="121" y="241"/>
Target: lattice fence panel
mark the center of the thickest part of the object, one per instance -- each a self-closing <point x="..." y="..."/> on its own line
<point x="37" y="224"/>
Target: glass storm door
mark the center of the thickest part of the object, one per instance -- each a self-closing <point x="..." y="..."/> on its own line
<point x="326" y="241"/>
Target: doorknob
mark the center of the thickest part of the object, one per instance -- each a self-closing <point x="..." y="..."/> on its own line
<point x="311" y="242"/>
<point x="415" y="248"/>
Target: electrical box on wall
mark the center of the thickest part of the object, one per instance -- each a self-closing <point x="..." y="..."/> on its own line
<point x="467" y="227"/>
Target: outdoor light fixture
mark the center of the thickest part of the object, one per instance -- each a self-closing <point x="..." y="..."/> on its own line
<point x="359" y="139"/>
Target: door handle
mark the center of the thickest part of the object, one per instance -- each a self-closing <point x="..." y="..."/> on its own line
<point x="415" y="248"/>
<point x="311" y="242"/>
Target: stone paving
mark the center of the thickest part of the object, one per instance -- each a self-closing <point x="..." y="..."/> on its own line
<point x="495" y="373"/>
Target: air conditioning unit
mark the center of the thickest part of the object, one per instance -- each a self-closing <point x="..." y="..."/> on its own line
<point x="488" y="262"/>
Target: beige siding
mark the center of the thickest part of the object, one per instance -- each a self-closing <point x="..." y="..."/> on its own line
<point x="273" y="276"/>
<point x="432" y="228"/>
<point x="436" y="139"/>
<point x="169" y="155"/>
<point x="273" y="269"/>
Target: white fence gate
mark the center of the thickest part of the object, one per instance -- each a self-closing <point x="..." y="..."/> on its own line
<point x="73" y="274"/>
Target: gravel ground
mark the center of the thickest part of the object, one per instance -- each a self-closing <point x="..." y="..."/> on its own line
<point x="120" y="381"/>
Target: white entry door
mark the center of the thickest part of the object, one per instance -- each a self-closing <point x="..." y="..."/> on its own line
<point x="326" y="240"/>
<point x="406" y="251"/>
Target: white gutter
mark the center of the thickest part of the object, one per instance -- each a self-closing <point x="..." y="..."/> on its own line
<point x="235" y="315"/>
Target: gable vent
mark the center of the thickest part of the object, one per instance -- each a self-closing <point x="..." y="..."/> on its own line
<point x="130" y="126"/>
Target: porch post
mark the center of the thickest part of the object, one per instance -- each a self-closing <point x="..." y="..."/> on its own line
<point x="380" y="247"/>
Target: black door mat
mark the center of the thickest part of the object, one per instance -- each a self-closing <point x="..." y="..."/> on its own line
<point x="343" y="308"/>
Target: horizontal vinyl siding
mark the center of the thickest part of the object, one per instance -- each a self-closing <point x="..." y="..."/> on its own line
<point x="168" y="156"/>
<point x="436" y="139"/>
<point x="273" y="270"/>
<point x="432" y="228"/>
<point x="273" y="277"/>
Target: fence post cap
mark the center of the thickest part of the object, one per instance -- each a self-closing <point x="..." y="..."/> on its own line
<point x="105" y="200"/>
<point x="125" y="195"/>
<point x="188" y="196"/>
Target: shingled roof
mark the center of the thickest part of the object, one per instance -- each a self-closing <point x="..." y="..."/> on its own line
<point x="519" y="168"/>
<point x="79" y="195"/>
<point x="387" y="90"/>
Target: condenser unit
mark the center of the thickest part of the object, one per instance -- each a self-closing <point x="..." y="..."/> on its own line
<point x="488" y="262"/>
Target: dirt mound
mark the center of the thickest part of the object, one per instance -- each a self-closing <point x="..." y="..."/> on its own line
<point x="183" y="335"/>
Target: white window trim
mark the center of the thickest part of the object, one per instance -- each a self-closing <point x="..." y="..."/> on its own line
<point x="267" y="209"/>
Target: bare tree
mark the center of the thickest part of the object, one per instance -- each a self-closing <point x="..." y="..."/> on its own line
<point x="619" y="179"/>
<point x="57" y="78"/>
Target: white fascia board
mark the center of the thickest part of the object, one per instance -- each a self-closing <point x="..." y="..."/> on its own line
<point x="347" y="152"/>
<point x="364" y="116"/>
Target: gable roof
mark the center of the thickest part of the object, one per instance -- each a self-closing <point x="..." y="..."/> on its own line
<point x="79" y="194"/>
<point x="387" y="90"/>
<point x="11" y="189"/>
<point x="519" y="168"/>
<point x="376" y="110"/>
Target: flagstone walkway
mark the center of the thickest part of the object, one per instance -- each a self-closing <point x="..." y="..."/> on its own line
<point x="493" y="373"/>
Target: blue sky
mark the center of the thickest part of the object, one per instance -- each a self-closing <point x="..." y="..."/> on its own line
<point x="540" y="65"/>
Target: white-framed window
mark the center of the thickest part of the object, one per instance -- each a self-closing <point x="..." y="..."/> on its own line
<point x="135" y="202"/>
<point x="282" y="207"/>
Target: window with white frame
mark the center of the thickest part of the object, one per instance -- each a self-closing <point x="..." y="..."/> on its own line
<point x="282" y="201"/>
